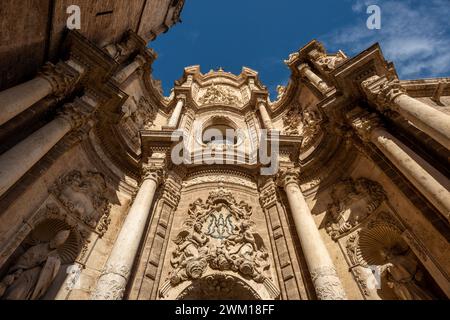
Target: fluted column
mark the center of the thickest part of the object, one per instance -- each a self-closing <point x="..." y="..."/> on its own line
<point x="53" y="79"/>
<point x="15" y="162"/>
<point x="429" y="181"/>
<point x="113" y="281"/>
<point x="323" y="273"/>
<point x="264" y="114"/>
<point x="127" y="71"/>
<point x="305" y="71"/>
<point x="390" y="95"/>
<point x="175" y="118"/>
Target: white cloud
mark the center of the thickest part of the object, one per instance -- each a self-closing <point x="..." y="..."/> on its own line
<point x="415" y="34"/>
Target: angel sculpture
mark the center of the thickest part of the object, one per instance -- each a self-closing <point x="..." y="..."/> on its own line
<point x="34" y="271"/>
<point x="190" y="257"/>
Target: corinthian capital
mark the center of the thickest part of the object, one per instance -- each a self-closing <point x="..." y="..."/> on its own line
<point x="288" y="176"/>
<point x="77" y="113"/>
<point x="382" y="91"/>
<point x="365" y="124"/>
<point x="154" y="171"/>
<point x="61" y="77"/>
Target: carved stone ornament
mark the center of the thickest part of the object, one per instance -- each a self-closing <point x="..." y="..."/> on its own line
<point x="85" y="196"/>
<point x="137" y="116"/>
<point x="327" y="284"/>
<point x="219" y="179"/>
<point x="219" y="94"/>
<point x="292" y="121"/>
<point x="382" y="91"/>
<point x="353" y="202"/>
<point x="218" y="234"/>
<point x="61" y="76"/>
<point x="311" y="126"/>
<point x="330" y="62"/>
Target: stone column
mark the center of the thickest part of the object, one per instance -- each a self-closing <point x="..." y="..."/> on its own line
<point x="15" y="162"/>
<point x="323" y="273"/>
<point x="127" y="71"/>
<point x="175" y="118"/>
<point x="113" y="281"/>
<point x="264" y="114"/>
<point x="429" y="181"/>
<point x="53" y="79"/>
<point x="390" y="95"/>
<point x="305" y="71"/>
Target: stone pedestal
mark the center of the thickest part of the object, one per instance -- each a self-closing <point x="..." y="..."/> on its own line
<point x="323" y="273"/>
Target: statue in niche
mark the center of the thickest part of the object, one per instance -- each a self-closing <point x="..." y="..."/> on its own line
<point x="403" y="275"/>
<point x="33" y="273"/>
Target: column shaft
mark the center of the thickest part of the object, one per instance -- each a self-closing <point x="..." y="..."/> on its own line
<point x="113" y="281"/>
<point x="314" y="78"/>
<point x="15" y="162"/>
<point x="429" y="181"/>
<point x="174" y="119"/>
<point x="265" y="116"/>
<point x="431" y="121"/>
<point x="127" y="71"/>
<point x="19" y="98"/>
<point x="323" y="272"/>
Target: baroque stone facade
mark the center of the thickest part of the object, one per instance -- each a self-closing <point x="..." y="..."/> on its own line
<point x="109" y="190"/>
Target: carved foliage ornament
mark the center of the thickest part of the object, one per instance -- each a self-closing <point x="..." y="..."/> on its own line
<point x="382" y="90"/>
<point x="85" y="196"/>
<point x="218" y="234"/>
<point x="353" y="202"/>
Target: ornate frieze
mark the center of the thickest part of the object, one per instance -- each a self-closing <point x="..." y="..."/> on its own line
<point x="353" y="202"/>
<point x="219" y="179"/>
<point x="327" y="283"/>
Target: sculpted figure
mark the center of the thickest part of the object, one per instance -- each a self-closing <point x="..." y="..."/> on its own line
<point x="403" y="275"/>
<point x="34" y="271"/>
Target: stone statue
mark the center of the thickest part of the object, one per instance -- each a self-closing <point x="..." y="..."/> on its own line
<point x="403" y="275"/>
<point x="34" y="271"/>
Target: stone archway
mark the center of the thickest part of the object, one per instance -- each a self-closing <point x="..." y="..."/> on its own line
<point x="219" y="287"/>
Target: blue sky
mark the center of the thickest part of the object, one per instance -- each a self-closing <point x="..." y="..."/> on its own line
<point x="260" y="34"/>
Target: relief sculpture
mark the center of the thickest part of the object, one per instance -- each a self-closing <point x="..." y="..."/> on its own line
<point x="219" y="234"/>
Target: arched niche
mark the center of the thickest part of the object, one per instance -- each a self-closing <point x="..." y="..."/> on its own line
<point x="385" y="266"/>
<point x="38" y="267"/>
<point x="219" y="287"/>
